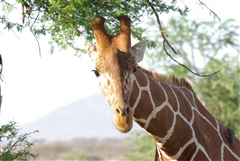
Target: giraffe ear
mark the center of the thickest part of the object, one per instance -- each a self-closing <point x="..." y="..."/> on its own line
<point x="138" y="50"/>
<point x="92" y="52"/>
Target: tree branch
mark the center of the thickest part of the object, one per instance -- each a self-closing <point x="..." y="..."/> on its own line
<point x="31" y="29"/>
<point x="210" y="11"/>
<point x="165" y="41"/>
<point x="200" y="75"/>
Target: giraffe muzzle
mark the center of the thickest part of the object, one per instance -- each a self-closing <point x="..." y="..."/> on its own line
<point x="123" y="119"/>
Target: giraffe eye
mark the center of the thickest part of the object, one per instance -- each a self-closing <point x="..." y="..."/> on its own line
<point x="96" y="72"/>
<point x="134" y="70"/>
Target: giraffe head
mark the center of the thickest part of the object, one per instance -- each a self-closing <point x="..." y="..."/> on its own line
<point x="115" y="65"/>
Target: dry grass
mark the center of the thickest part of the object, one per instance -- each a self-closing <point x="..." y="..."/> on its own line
<point x="83" y="149"/>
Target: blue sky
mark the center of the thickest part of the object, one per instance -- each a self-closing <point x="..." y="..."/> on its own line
<point x="34" y="86"/>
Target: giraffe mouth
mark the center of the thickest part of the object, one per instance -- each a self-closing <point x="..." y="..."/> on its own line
<point x="123" y="122"/>
<point x="123" y="127"/>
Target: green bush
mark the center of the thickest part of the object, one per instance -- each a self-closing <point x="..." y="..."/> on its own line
<point x="15" y="146"/>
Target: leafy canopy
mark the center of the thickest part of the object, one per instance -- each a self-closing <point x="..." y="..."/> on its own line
<point x="67" y="20"/>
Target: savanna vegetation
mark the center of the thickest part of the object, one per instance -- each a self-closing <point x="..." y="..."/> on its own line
<point x="83" y="149"/>
<point x="15" y="145"/>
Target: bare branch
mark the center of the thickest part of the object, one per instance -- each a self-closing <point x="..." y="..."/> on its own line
<point x="200" y="75"/>
<point x="23" y="15"/>
<point x="31" y="29"/>
<point x="165" y="41"/>
<point x="211" y="11"/>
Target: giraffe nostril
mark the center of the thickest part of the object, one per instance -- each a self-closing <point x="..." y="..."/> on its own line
<point x="117" y="110"/>
<point x="123" y="111"/>
<point x="127" y="110"/>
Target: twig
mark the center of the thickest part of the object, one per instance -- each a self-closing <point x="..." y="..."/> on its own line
<point x="200" y="75"/>
<point x="15" y="34"/>
<point x="39" y="48"/>
<point x="210" y="11"/>
<point x="1" y="76"/>
<point x="23" y="15"/>
<point x="163" y="32"/>
<point x="165" y="41"/>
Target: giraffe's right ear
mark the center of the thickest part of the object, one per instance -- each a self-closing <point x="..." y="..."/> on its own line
<point x="92" y="52"/>
<point x="138" y="50"/>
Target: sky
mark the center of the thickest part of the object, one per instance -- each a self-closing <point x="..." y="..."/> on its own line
<point x="34" y="86"/>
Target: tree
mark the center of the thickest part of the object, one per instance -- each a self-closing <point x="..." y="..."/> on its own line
<point x="15" y="146"/>
<point x="67" y="20"/>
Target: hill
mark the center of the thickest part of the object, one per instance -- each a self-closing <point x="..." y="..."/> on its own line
<point x="86" y="118"/>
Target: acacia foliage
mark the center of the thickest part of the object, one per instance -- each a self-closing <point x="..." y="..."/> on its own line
<point x="67" y="20"/>
<point x="15" y="146"/>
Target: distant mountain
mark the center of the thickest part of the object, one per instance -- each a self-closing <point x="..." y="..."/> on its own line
<point x="87" y="118"/>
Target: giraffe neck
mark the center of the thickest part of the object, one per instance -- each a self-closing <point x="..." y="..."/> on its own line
<point x="181" y="126"/>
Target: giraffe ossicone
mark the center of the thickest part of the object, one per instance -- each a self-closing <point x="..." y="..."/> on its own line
<point x="166" y="107"/>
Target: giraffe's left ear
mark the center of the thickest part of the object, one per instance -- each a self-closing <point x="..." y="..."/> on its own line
<point x="92" y="52"/>
<point x="138" y="50"/>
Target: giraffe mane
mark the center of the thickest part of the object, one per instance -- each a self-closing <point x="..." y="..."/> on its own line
<point x="170" y="80"/>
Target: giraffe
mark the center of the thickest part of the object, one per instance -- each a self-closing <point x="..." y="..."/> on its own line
<point x="165" y="107"/>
